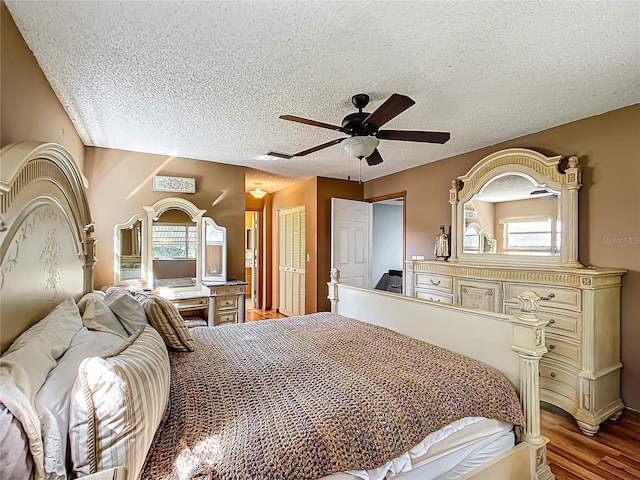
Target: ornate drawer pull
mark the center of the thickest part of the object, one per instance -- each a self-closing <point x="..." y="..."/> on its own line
<point x="551" y="295"/>
<point x="553" y="374"/>
<point x="551" y="321"/>
<point x="435" y="283"/>
<point x="552" y="347"/>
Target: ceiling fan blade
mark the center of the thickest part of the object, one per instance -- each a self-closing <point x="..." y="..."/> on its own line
<point x="318" y="147"/>
<point x="414" y="136"/>
<point x="375" y="158"/>
<point x="313" y="123"/>
<point x="393" y="106"/>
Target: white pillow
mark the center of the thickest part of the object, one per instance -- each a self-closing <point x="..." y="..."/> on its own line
<point x="96" y="315"/>
<point x="26" y="364"/>
<point x="117" y="403"/>
<point x="15" y="458"/>
<point x="54" y="398"/>
<point x="126" y="308"/>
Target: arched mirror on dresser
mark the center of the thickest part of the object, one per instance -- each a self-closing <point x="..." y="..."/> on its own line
<point x="523" y="206"/>
<point x="514" y="224"/>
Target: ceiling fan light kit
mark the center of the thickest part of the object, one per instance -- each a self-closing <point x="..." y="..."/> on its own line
<point x="360" y="147"/>
<point x="363" y="129"/>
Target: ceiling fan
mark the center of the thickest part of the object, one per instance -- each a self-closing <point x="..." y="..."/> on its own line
<point x="363" y="129"/>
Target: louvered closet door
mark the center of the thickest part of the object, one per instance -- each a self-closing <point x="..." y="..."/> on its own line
<point x="291" y="260"/>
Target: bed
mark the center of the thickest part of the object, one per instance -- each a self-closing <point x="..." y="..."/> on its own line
<point x="47" y="258"/>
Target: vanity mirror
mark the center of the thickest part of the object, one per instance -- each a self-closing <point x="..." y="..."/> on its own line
<point x="171" y="247"/>
<point x="517" y="207"/>
<point x="129" y="266"/>
<point x="214" y="251"/>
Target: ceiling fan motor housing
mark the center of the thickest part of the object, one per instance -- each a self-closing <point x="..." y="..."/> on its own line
<point x="353" y="123"/>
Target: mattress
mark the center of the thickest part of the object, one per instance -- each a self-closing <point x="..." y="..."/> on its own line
<point x="445" y="454"/>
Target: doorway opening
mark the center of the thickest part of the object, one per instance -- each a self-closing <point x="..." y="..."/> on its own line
<point x="368" y="241"/>
<point x="253" y="259"/>
<point x="388" y="242"/>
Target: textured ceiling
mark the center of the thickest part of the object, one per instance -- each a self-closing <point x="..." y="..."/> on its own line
<point x="208" y="80"/>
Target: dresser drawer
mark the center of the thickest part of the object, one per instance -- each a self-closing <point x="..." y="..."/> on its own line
<point x="433" y="281"/>
<point x="434" y="296"/>
<point x="566" y="323"/>
<point x="479" y="294"/>
<point x="562" y="351"/>
<point x="552" y="296"/>
<point x="226" y="303"/>
<point x="223" y="318"/>
<point x="235" y="290"/>
<point x="558" y="380"/>
<point x="191" y="303"/>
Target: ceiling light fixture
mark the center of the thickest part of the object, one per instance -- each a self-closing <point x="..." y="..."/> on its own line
<point x="360" y="146"/>
<point x="257" y="192"/>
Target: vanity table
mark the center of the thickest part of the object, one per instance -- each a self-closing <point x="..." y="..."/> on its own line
<point x="183" y="255"/>
<point x="515" y="229"/>
<point x="226" y="302"/>
<point x="190" y="304"/>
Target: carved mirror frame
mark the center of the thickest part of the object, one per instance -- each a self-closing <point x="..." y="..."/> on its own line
<point x="558" y="173"/>
<point x="117" y="250"/>
<point x="154" y="212"/>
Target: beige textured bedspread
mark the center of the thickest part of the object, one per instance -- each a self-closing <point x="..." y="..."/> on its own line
<point x="304" y="397"/>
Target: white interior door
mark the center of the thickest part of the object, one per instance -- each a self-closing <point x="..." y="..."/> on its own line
<point x="351" y="241"/>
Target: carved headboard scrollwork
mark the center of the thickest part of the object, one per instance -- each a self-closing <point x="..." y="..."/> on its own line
<point x="47" y="250"/>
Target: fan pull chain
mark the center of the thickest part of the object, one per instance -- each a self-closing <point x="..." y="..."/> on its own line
<point x="349" y="160"/>
<point x="360" y="179"/>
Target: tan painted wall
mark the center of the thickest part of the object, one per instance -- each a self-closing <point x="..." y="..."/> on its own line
<point x="608" y="147"/>
<point x="30" y="109"/>
<point x="120" y="184"/>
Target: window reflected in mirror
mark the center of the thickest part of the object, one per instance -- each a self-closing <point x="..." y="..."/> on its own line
<point x="175" y="242"/>
<point x="471" y="239"/>
<point x="174" y="246"/>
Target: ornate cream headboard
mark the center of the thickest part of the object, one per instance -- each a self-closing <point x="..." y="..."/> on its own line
<point x="47" y="250"/>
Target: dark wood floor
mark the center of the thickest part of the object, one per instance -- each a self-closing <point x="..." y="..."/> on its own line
<point x="252" y="314"/>
<point x="612" y="454"/>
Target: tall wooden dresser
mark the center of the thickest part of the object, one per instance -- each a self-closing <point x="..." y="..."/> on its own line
<point x="580" y="373"/>
<point x="514" y="228"/>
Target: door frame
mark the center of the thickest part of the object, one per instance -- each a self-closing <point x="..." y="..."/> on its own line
<point x="257" y="280"/>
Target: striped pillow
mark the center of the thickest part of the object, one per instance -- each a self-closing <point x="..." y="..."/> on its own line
<point x="165" y="318"/>
<point x="117" y="404"/>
